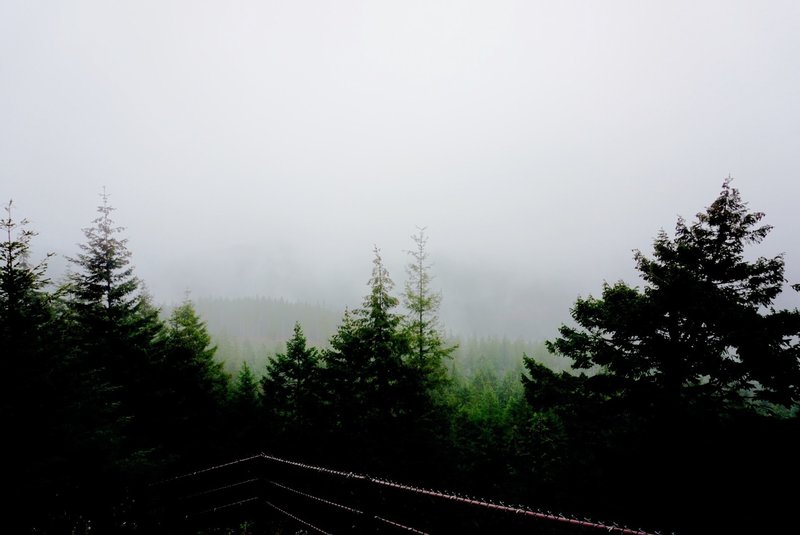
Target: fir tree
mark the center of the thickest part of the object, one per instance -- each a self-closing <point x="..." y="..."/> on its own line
<point x="704" y="329"/>
<point x="104" y="287"/>
<point x="688" y="374"/>
<point x="31" y="396"/>
<point x="22" y="284"/>
<point x="373" y="395"/>
<point x="291" y="386"/>
<point x="112" y="361"/>
<point x="194" y="386"/>
<point x="191" y="354"/>
<point x="244" y="394"/>
<point x="245" y="421"/>
<point x="428" y="346"/>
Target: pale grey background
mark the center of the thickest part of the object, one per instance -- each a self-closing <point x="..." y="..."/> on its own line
<point x="262" y="148"/>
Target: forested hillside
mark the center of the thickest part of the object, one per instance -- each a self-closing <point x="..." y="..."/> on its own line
<point x="678" y="410"/>
<point x="254" y="330"/>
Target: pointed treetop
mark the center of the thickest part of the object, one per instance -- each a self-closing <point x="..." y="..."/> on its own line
<point x="16" y="273"/>
<point x="106" y="277"/>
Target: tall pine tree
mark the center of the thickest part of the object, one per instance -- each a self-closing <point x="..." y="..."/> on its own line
<point x="31" y="396"/>
<point x="689" y="373"/>
<point x="428" y="345"/>
<point x="704" y="329"/>
<point x="112" y="331"/>
<point x="291" y="390"/>
<point x="374" y="395"/>
<point x="193" y="387"/>
<point x="245" y="422"/>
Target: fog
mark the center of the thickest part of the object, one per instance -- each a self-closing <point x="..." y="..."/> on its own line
<point x="264" y="148"/>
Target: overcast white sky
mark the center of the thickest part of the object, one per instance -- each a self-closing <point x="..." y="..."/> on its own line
<point x="256" y="147"/>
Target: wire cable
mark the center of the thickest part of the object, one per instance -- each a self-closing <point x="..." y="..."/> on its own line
<point x="401" y="526"/>
<point x="297" y="519"/>
<point x="315" y="498"/>
<point x="218" y="489"/>
<point x="209" y="469"/>
<point x="348" y="509"/>
<point x="223" y="507"/>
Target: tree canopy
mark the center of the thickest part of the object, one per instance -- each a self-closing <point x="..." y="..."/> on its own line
<point x="688" y="381"/>
<point x="428" y="345"/>
<point x="703" y="329"/>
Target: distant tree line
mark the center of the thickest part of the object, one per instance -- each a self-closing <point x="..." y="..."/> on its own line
<point x="680" y="391"/>
<point x="247" y="329"/>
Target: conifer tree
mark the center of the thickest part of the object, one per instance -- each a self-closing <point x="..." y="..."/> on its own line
<point x="344" y="378"/>
<point x="25" y="311"/>
<point x="372" y="393"/>
<point x="191" y="353"/>
<point x="704" y="330"/>
<point x="194" y="387"/>
<point x="428" y="345"/>
<point x="689" y="374"/>
<point x="244" y="394"/>
<point x="245" y="421"/>
<point x="22" y="284"/>
<point x="108" y="303"/>
<point x="291" y="386"/>
<point x="30" y="397"/>
<point x="104" y="288"/>
<point x="112" y="331"/>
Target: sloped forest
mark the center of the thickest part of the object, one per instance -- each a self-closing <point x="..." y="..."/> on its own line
<point x="679" y="410"/>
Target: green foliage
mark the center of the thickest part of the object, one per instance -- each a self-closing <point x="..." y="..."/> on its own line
<point x="291" y="388"/>
<point x="101" y="395"/>
<point x="245" y="329"/>
<point x="702" y="331"/>
<point x="545" y="388"/>
<point x="499" y="354"/>
<point x="32" y="393"/>
<point x="25" y="311"/>
<point x="110" y="410"/>
<point x="244" y="418"/>
<point x="193" y="387"/>
<point x="21" y="283"/>
<point x="484" y="410"/>
<point x="365" y="370"/>
<point x="379" y="407"/>
<point x="684" y="366"/>
<point x="245" y="393"/>
<point x="111" y="316"/>
<point x="187" y="331"/>
<point x="104" y="284"/>
<point x="76" y="374"/>
<point x="428" y="345"/>
<point x="189" y="353"/>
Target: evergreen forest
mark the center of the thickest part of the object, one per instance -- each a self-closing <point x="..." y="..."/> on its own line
<point x="669" y="404"/>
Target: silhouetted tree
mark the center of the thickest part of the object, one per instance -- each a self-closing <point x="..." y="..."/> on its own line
<point x="25" y="311"/>
<point x="370" y="387"/>
<point x="194" y="387"/>
<point x="31" y="394"/>
<point x="112" y="328"/>
<point x="245" y="417"/>
<point x="291" y="390"/>
<point x="685" y="377"/>
<point x="704" y="329"/>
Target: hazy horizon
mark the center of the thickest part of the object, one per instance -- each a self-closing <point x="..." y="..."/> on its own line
<point x="253" y="148"/>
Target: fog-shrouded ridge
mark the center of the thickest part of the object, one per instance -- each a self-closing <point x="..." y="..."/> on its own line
<point x="253" y="148"/>
<point x="253" y="330"/>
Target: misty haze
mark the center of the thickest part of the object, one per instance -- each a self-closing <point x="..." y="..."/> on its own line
<point x="537" y="253"/>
